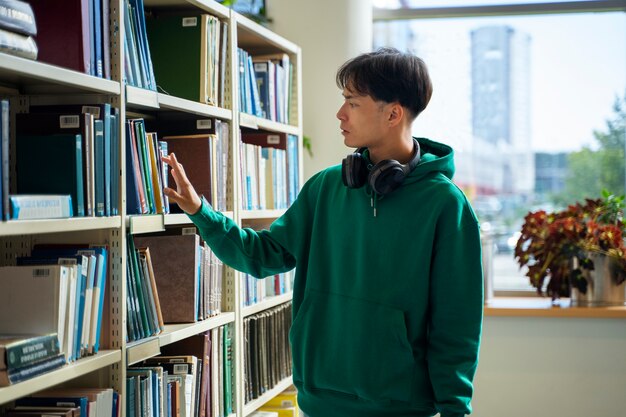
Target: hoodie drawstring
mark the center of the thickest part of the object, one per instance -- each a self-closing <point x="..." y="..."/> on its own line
<point x="373" y="198"/>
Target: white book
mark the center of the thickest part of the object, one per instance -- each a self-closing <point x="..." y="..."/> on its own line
<point x="70" y="316"/>
<point x="33" y="299"/>
<point x="40" y="206"/>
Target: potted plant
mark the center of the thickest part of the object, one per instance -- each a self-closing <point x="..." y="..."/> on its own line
<point x="570" y="248"/>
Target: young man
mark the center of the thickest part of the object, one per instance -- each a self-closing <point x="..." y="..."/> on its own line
<point x="388" y="295"/>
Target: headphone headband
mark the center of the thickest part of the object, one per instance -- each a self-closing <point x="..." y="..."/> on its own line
<point x="384" y="177"/>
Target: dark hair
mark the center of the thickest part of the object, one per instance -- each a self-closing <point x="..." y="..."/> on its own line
<point x="388" y="75"/>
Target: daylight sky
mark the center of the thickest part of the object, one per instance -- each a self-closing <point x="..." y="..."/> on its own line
<point x="578" y="67"/>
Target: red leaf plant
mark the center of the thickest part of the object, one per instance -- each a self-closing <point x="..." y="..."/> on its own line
<point x="557" y="246"/>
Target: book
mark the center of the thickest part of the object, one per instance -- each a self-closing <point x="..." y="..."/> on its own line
<point x="4" y="160"/>
<point x="35" y="411"/>
<point x="175" y="263"/>
<point x="198" y="156"/>
<point x="198" y="345"/>
<point x="177" y="39"/>
<point x="17" y="16"/>
<point x="17" y="351"/>
<point x="17" y="44"/>
<point x="40" y="206"/>
<point x="67" y="119"/>
<point x="51" y="164"/>
<point x="33" y="299"/>
<point x="13" y="376"/>
<point x="63" y="33"/>
<point x="79" y="402"/>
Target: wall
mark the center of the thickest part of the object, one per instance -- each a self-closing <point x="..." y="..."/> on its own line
<point x="329" y="33"/>
<point x="551" y="367"/>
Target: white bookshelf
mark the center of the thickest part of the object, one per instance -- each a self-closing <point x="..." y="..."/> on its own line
<point x="27" y="81"/>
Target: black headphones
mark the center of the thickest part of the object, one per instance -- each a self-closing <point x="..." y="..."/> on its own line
<point x="384" y="177"/>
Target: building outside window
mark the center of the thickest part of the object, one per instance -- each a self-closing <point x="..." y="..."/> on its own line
<point x="525" y="94"/>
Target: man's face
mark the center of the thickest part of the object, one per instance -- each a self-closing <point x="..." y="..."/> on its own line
<point x="362" y="120"/>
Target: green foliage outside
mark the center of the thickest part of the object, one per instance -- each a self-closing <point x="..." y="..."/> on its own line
<point x="592" y="170"/>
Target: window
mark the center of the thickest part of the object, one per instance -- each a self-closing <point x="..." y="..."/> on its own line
<point x="519" y="98"/>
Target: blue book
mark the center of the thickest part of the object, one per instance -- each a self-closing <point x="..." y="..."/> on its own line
<point x="261" y="73"/>
<point x="51" y="164"/>
<point x="101" y="274"/>
<point x="99" y="166"/>
<point x="4" y="164"/>
<point x="133" y="201"/>
<point x="97" y="37"/>
<point x="130" y="396"/>
<point x="293" y="169"/>
<point x="92" y="38"/>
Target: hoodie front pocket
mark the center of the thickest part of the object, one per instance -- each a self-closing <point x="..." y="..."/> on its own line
<point x="352" y="346"/>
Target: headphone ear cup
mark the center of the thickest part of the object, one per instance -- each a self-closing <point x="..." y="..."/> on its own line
<point x="354" y="171"/>
<point x="386" y="176"/>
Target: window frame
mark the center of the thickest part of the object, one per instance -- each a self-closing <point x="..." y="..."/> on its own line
<point x="499" y="10"/>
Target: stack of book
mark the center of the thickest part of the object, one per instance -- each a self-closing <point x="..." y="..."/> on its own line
<point x="193" y="378"/>
<point x="201" y="145"/>
<point x="255" y="290"/>
<point x="69" y="402"/>
<point x="17" y="28"/>
<point x="57" y="289"/>
<point x="189" y="55"/>
<point x="146" y="174"/>
<point x="173" y="278"/>
<point x="267" y="356"/>
<point x="66" y="155"/>
<point x="26" y="356"/>
<point x="137" y="60"/>
<point x="74" y="34"/>
<point x="270" y="169"/>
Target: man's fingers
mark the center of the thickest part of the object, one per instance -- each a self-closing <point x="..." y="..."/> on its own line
<point x="172" y="194"/>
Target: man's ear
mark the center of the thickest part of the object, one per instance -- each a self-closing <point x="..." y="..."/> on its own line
<point x="396" y="114"/>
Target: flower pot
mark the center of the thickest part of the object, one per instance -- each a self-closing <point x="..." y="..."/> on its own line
<point x="605" y="284"/>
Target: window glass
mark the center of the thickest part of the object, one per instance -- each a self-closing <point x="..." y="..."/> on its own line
<point x="522" y="100"/>
<point x="404" y="4"/>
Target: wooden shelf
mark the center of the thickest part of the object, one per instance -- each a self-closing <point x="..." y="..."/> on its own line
<point x="266" y="304"/>
<point x="33" y="77"/>
<point x="175" y="332"/>
<point x="253" y="122"/>
<point x="543" y="307"/>
<point x="214" y="8"/>
<point x="251" y="35"/>
<point x="74" y="224"/>
<point x="253" y="405"/>
<point x="67" y="372"/>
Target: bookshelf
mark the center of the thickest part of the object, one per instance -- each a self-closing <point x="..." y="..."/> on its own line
<point x="25" y="82"/>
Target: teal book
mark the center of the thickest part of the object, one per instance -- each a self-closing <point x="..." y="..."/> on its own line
<point x="51" y="164"/>
<point x="175" y="46"/>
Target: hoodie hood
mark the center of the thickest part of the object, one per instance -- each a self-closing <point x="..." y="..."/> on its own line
<point x="436" y="157"/>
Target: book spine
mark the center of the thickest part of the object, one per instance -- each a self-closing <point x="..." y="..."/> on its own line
<point x="17" y="16"/>
<point x="29" y="207"/>
<point x="4" y="160"/>
<point x="27" y="372"/>
<point x="31" y="351"/>
<point x="18" y="44"/>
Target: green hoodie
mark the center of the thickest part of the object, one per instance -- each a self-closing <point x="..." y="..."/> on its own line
<point x="387" y="308"/>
